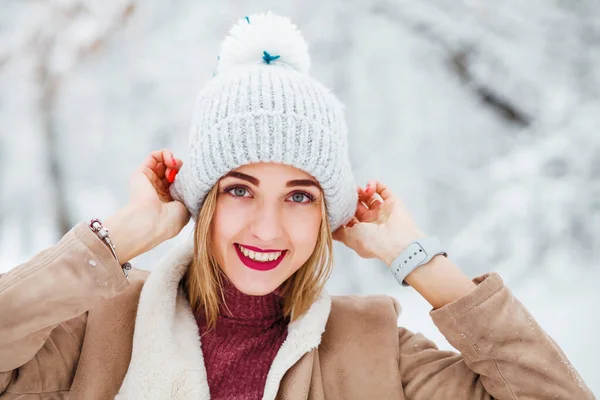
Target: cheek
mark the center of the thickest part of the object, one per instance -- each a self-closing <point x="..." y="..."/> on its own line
<point x="303" y="230"/>
<point x="228" y="220"/>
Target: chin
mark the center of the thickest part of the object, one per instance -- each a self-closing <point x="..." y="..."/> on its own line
<point x="254" y="291"/>
<point x="252" y="287"/>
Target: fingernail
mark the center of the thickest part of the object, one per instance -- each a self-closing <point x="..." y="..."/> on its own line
<point x="367" y="189"/>
<point x="171" y="176"/>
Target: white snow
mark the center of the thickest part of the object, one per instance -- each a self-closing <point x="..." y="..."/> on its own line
<point x="482" y="116"/>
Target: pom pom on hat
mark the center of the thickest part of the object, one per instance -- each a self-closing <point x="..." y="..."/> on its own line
<point x="264" y="38"/>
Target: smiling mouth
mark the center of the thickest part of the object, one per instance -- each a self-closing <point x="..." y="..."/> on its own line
<point x="259" y="260"/>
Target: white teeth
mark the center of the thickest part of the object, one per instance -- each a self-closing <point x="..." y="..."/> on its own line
<point x="262" y="257"/>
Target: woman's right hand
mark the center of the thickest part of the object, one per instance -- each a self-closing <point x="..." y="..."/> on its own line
<point x="149" y="190"/>
<point x="152" y="215"/>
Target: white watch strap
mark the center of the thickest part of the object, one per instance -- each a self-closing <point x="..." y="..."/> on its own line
<point x="416" y="254"/>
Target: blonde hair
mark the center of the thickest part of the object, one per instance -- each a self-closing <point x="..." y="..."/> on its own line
<point x="204" y="279"/>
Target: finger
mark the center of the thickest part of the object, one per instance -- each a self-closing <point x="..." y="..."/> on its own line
<point x="150" y="162"/>
<point x="157" y="156"/>
<point x="154" y="179"/>
<point x="367" y="208"/>
<point x="164" y="156"/>
<point x="369" y="216"/>
<point x="375" y="204"/>
<point x="175" y="163"/>
<point x="169" y="159"/>
<point x="171" y="175"/>
<point x="160" y="184"/>
<point x="155" y="168"/>
<point x="382" y="190"/>
<point x="370" y="188"/>
<point x="160" y="170"/>
<point x="179" y="163"/>
<point x="374" y="200"/>
<point x="172" y="172"/>
<point x="362" y="197"/>
<point x="361" y="210"/>
<point x="369" y="200"/>
<point x="365" y="196"/>
<point x="164" y="163"/>
<point x="165" y="183"/>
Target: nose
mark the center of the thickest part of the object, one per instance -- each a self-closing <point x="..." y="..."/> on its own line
<point x="267" y="225"/>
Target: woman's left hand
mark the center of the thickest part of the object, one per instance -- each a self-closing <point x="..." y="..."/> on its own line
<point x="381" y="228"/>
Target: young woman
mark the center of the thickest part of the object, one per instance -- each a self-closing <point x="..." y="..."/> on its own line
<point x="238" y="311"/>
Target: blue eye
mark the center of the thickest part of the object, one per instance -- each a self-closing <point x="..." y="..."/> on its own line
<point x="238" y="191"/>
<point x="298" y="197"/>
<point x="302" y="198"/>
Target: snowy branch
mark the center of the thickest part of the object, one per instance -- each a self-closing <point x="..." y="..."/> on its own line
<point x="458" y="60"/>
<point x="73" y="31"/>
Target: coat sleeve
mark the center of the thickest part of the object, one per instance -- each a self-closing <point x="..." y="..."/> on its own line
<point x="504" y="353"/>
<point x="56" y="285"/>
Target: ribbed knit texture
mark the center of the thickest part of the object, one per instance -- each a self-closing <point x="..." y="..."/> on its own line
<point x="268" y="112"/>
<point x="239" y="352"/>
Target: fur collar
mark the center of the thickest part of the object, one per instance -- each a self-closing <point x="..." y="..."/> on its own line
<point x="166" y="358"/>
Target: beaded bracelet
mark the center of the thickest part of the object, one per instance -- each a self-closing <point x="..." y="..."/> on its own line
<point x="102" y="233"/>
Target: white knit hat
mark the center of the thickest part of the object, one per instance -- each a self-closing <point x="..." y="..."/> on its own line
<point x="262" y="105"/>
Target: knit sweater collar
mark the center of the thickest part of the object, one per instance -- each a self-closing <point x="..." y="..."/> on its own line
<point x="246" y="308"/>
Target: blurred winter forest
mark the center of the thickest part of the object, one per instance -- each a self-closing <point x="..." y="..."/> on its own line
<point x="482" y="116"/>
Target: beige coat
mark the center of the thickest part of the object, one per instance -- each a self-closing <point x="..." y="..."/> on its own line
<point x="67" y="320"/>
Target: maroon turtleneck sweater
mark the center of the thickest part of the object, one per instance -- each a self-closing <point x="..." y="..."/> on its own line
<point x="239" y="351"/>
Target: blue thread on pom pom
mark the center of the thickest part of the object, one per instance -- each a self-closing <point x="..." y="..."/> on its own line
<point x="268" y="58"/>
<point x="248" y="19"/>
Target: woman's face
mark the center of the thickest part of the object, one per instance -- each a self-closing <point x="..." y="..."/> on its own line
<point x="266" y="225"/>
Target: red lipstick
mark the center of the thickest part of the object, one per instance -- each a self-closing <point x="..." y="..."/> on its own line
<point x="259" y="265"/>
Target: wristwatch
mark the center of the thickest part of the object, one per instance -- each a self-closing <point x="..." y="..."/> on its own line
<point x="419" y="252"/>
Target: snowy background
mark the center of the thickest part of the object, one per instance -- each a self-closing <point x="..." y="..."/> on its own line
<point x="482" y="116"/>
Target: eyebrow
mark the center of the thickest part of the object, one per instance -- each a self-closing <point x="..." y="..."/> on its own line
<point x="239" y="175"/>
<point x="256" y="182"/>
